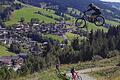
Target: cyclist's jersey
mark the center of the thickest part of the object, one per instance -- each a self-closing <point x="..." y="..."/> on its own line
<point x="95" y="8"/>
<point x="74" y="76"/>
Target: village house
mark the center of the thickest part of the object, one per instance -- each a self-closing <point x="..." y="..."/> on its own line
<point x="14" y="62"/>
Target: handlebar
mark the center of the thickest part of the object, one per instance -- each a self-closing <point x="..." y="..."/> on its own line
<point x="83" y="13"/>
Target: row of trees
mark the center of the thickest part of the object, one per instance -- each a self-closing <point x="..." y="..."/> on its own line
<point x="99" y="43"/>
<point x="5" y="12"/>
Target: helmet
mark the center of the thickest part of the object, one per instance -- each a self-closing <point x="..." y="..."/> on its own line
<point x="91" y="4"/>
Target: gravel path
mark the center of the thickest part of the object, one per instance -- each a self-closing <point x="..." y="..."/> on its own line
<point x="83" y="73"/>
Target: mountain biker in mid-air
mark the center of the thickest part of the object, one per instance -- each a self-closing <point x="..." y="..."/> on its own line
<point x="96" y="9"/>
<point x="95" y="17"/>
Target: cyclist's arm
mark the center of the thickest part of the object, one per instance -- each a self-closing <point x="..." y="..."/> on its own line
<point x="89" y="9"/>
<point x="77" y="74"/>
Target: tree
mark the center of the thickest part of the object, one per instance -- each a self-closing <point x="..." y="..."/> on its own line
<point x="23" y="71"/>
<point x="91" y="36"/>
<point x="111" y="44"/>
<point x="22" y="19"/>
<point x="34" y="21"/>
<point x="6" y="14"/>
<point x="118" y="45"/>
<point x="75" y="43"/>
<point x="2" y="23"/>
<point x="15" y="47"/>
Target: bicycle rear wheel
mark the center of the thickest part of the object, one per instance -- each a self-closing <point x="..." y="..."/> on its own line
<point x="80" y="23"/>
<point x="99" y="21"/>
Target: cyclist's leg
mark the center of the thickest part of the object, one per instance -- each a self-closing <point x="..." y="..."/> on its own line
<point x="94" y="15"/>
<point x="75" y="76"/>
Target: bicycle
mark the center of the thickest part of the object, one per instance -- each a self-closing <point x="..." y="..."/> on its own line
<point x="78" y="77"/>
<point x="82" y="21"/>
<point x="62" y="75"/>
<point x="66" y="76"/>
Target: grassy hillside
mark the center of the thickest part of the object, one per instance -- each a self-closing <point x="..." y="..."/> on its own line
<point x="109" y="10"/>
<point x="54" y="37"/>
<point x="4" y="51"/>
<point x="28" y="13"/>
<point x="45" y="75"/>
<point x="112" y="22"/>
<point x="100" y="75"/>
<point x="71" y="36"/>
<point x="109" y="74"/>
<point x="94" y="27"/>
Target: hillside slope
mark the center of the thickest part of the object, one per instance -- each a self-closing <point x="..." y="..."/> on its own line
<point x="110" y="10"/>
<point x="5" y="52"/>
<point x="101" y="66"/>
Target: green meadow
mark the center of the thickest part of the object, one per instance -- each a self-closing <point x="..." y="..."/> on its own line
<point x="4" y="51"/>
<point x="55" y="37"/>
<point x="28" y="13"/>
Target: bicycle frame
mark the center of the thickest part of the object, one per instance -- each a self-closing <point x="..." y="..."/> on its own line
<point x="91" y="18"/>
<point x="86" y="17"/>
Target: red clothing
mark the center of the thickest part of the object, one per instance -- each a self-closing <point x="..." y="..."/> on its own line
<point x="74" y="76"/>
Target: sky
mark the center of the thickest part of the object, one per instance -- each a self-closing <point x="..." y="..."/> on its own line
<point x="111" y="0"/>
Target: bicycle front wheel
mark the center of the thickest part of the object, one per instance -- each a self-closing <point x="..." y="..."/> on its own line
<point x="80" y="23"/>
<point x="99" y="21"/>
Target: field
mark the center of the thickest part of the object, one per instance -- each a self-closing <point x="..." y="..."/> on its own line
<point x="112" y="22"/>
<point x="71" y="36"/>
<point x="28" y="13"/>
<point x="4" y="51"/>
<point x="55" y="37"/>
<point x="92" y="26"/>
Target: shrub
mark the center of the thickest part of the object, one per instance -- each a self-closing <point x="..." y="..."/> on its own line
<point x="97" y="57"/>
